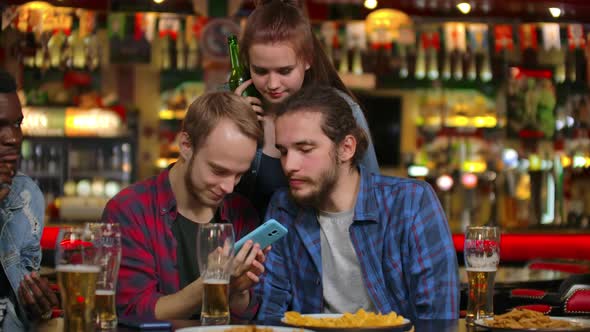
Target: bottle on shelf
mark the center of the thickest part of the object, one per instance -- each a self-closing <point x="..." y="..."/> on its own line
<point x="52" y="163"/>
<point x="92" y="52"/>
<point x="192" y="58"/>
<point x="78" y="46"/>
<point x="403" y="71"/>
<point x="420" y="71"/>
<point x="165" y="62"/>
<point x="357" y="61"/>
<point x="54" y="46"/>
<point x="432" y="63"/>
<point x="180" y="52"/>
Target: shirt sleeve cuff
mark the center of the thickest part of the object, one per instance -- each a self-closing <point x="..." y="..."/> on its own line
<point x="249" y="312"/>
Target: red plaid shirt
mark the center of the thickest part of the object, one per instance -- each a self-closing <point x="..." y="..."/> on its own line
<point x="145" y="212"/>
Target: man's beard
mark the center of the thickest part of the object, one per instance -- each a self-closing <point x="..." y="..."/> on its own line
<point x="327" y="182"/>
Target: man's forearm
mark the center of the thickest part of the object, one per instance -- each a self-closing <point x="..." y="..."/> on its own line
<point x="182" y="304"/>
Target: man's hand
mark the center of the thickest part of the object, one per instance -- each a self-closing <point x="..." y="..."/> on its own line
<point x="36" y="296"/>
<point x="6" y="174"/>
<point x="248" y="266"/>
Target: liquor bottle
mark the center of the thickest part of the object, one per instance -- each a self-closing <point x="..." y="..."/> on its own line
<point x="238" y="73"/>
<point x="403" y="71"/>
<point x="92" y="52"/>
<point x="165" y="62"/>
<point x="486" y="68"/>
<point x="571" y="66"/>
<point x="560" y="69"/>
<point x="457" y="58"/>
<point x="180" y="52"/>
<point x="420" y="63"/>
<point x="54" y="47"/>
<point x="343" y="64"/>
<point x="558" y="174"/>
<point x="40" y="55"/>
<point x="192" y="59"/>
<point x="446" y="72"/>
<point x="470" y="64"/>
<point x="432" y="64"/>
<point x="78" y="49"/>
<point x="357" y="61"/>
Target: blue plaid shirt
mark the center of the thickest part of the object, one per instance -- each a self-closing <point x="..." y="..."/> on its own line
<point x="402" y="240"/>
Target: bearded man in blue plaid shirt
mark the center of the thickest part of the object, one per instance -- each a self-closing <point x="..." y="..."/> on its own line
<point x="356" y="239"/>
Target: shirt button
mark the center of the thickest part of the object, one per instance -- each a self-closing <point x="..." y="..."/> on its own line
<point x="317" y="281"/>
<point x="164" y="210"/>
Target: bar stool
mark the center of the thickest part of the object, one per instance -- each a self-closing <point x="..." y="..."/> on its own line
<point x="572" y="299"/>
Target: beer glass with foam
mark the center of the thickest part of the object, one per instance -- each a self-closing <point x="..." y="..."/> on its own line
<point x="215" y="244"/>
<point x="77" y="260"/>
<point x="482" y="256"/>
<point x="106" y="285"/>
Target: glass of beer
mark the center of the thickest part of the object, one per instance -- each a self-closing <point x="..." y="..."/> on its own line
<point x="215" y="244"/>
<point x="106" y="285"/>
<point x="77" y="260"/>
<point x="482" y="256"/>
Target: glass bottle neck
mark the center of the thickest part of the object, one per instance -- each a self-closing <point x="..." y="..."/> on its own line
<point x="234" y="56"/>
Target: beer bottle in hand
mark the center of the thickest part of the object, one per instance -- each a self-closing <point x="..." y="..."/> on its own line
<point x="239" y="74"/>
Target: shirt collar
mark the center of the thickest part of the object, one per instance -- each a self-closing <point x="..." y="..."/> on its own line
<point x="366" y="208"/>
<point x="13" y="201"/>
<point x="165" y="195"/>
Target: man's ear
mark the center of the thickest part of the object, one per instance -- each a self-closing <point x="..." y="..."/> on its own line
<point x="346" y="149"/>
<point x="185" y="146"/>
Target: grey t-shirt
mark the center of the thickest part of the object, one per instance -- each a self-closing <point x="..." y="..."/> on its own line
<point x="342" y="280"/>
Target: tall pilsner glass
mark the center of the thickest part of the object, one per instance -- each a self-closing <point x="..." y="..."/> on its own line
<point x="215" y="245"/>
<point x="482" y="256"/>
<point x="106" y="285"/>
<point x="77" y="259"/>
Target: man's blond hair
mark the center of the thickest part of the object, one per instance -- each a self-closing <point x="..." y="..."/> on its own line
<point x="206" y="111"/>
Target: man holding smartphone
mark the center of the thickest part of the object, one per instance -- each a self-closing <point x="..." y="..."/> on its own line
<point x="159" y="217"/>
<point x="355" y="239"/>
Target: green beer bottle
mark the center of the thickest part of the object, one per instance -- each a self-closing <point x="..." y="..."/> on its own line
<point x="239" y="74"/>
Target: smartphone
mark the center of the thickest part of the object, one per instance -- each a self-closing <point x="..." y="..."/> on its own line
<point x="265" y="235"/>
<point x="145" y="324"/>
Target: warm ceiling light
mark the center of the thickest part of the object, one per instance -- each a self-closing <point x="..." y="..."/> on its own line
<point x="158" y="1"/>
<point x="370" y="4"/>
<point x="37" y="5"/>
<point x="555" y="12"/>
<point x="464" y="7"/>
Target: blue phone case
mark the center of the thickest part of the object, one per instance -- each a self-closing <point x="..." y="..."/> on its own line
<point x="265" y="235"/>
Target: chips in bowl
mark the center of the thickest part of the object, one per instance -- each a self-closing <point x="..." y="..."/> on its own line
<point x="359" y="319"/>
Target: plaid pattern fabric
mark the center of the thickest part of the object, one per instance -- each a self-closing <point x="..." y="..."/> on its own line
<point x="403" y="243"/>
<point x="145" y="212"/>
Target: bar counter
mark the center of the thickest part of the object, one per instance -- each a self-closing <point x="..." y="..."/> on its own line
<point x="523" y="247"/>
<point x="514" y="247"/>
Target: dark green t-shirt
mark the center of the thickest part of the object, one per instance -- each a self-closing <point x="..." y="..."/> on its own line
<point x="185" y="232"/>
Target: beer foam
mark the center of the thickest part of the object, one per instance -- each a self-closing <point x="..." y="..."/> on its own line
<point x="78" y="268"/>
<point x="216" y="282"/>
<point x="105" y="292"/>
<point x="482" y="269"/>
